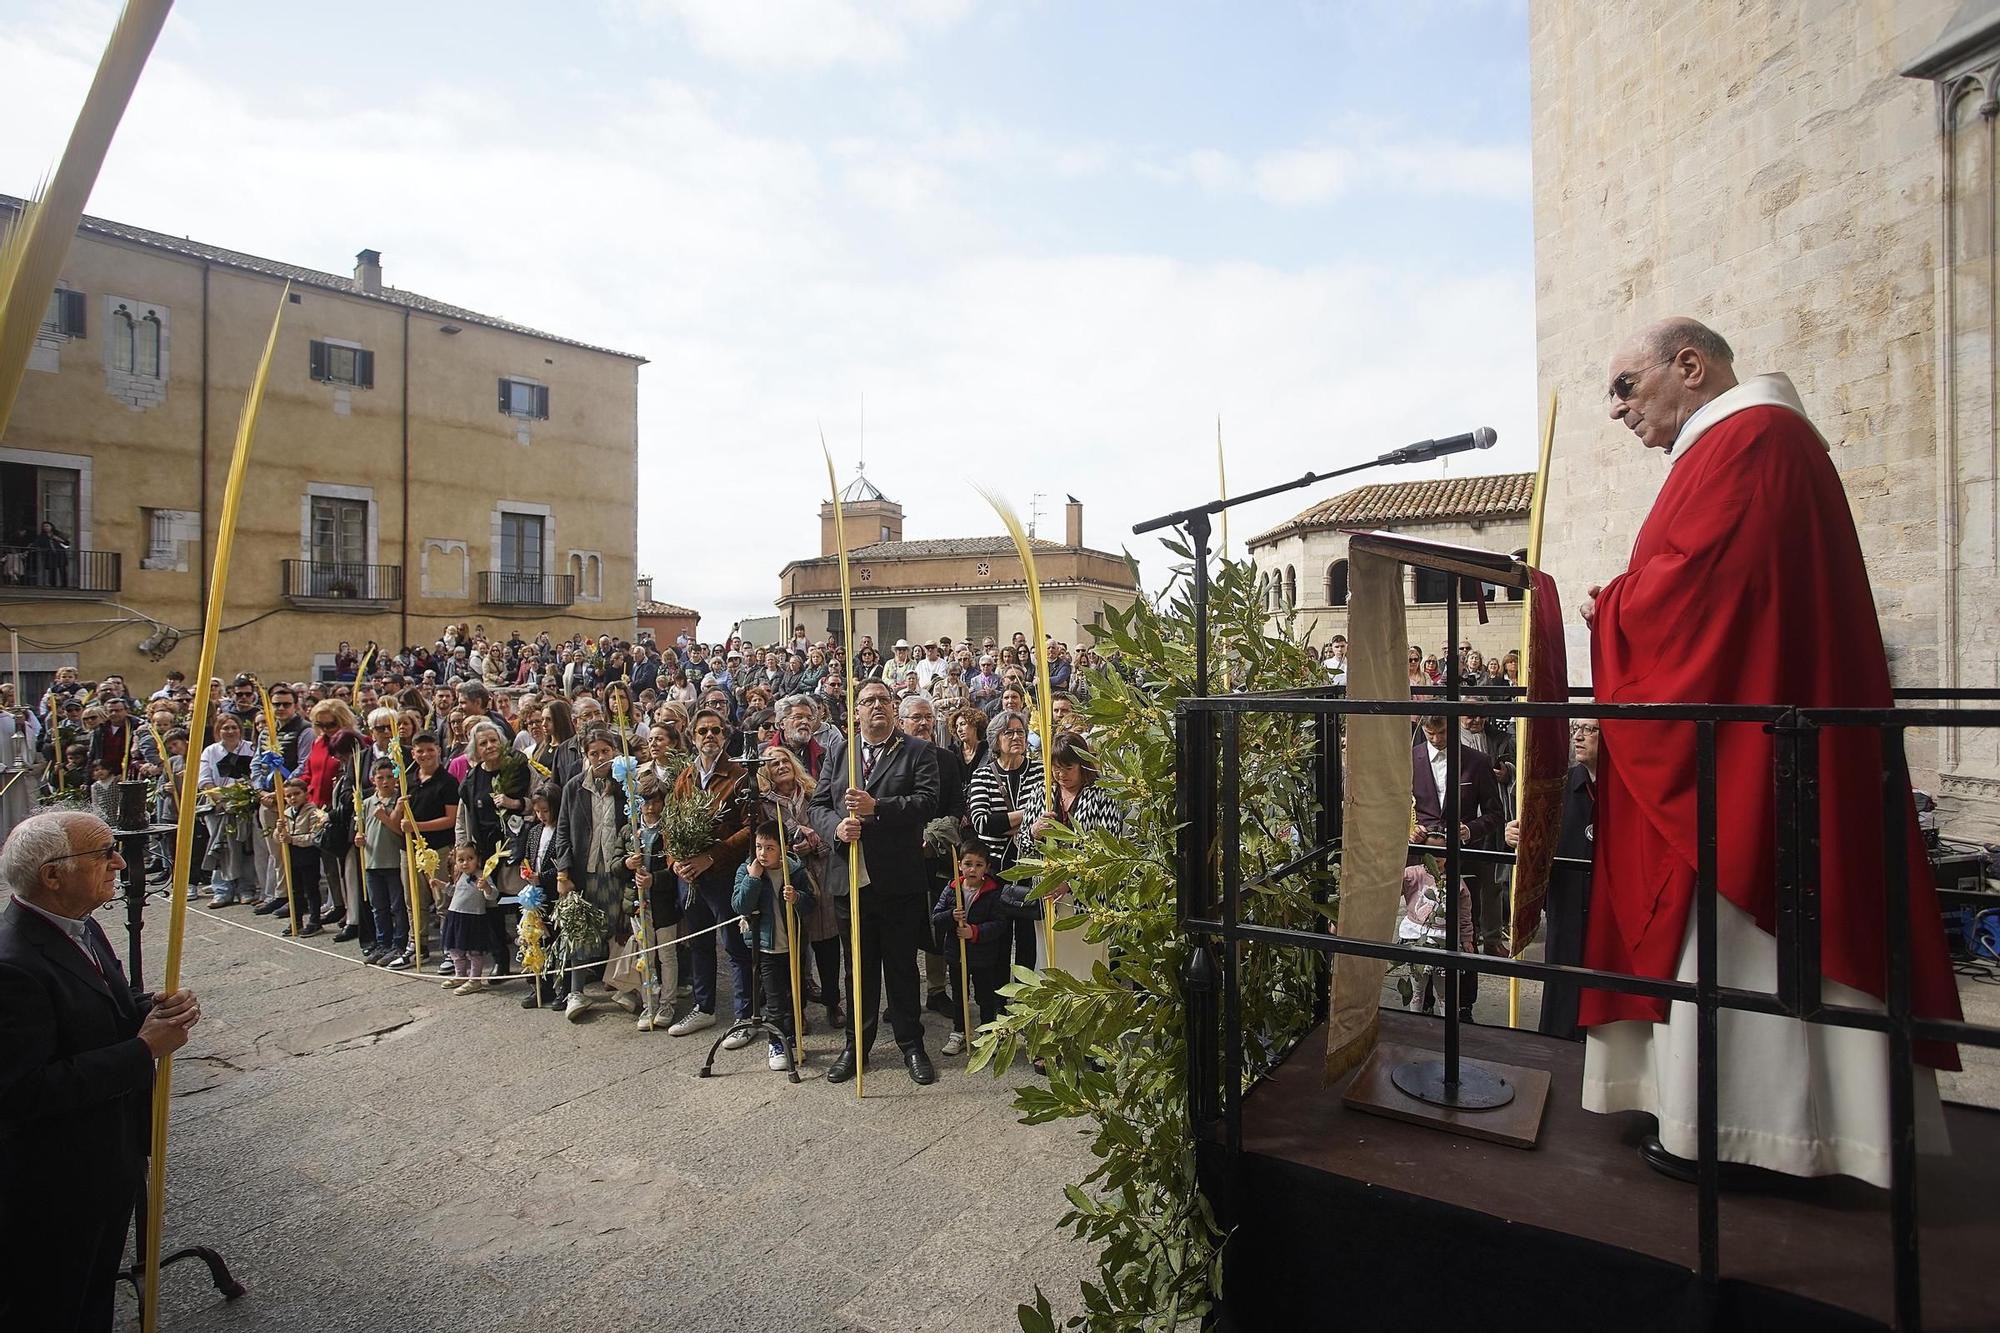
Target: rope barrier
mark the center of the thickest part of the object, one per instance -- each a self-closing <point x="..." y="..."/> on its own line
<point x="433" y="977"/>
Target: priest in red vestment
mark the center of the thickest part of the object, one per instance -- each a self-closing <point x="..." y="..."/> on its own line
<point x="1746" y="586"/>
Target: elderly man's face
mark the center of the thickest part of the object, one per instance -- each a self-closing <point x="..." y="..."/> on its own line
<point x="1651" y="395"/>
<point x="800" y="723"/>
<point x="87" y="876"/>
<point x="920" y="720"/>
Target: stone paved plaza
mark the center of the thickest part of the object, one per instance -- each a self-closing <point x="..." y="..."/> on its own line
<point x="372" y="1153"/>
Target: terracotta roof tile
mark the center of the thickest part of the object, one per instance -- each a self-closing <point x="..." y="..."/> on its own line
<point x="1502" y="495"/>
<point x="663" y="609"/>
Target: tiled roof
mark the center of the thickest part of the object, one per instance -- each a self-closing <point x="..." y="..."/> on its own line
<point x="663" y="609"/>
<point x="307" y="277"/>
<point x="1504" y="495"/>
<point x="932" y="548"/>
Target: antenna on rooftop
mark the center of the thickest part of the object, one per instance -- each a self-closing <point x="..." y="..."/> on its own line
<point x="1034" y="513"/>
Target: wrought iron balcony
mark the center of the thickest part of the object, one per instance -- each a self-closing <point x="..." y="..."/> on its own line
<point x="27" y="573"/>
<point x="503" y="588"/>
<point x="333" y="585"/>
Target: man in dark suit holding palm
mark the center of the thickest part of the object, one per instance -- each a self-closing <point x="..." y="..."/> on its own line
<point x="77" y="1051"/>
<point x="1480" y="814"/>
<point x="895" y="795"/>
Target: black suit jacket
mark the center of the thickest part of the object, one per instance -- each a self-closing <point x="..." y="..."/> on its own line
<point x="1479" y="806"/>
<point x="904" y="783"/>
<point x="76" y="1083"/>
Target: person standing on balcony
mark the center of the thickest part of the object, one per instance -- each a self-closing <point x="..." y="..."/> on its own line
<point x="1749" y="551"/>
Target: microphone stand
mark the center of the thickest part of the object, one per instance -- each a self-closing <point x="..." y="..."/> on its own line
<point x="1201" y="979"/>
<point x="133" y="832"/>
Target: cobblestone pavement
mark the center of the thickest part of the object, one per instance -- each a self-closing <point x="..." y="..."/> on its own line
<point x="370" y="1152"/>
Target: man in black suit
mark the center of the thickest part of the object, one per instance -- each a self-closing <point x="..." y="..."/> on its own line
<point x="919" y="721"/>
<point x="77" y="1049"/>
<point x="1480" y="815"/>
<point x="1568" y="908"/>
<point x="885" y="814"/>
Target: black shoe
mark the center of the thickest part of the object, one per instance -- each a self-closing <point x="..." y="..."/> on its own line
<point x="268" y="906"/>
<point x="1465" y="1016"/>
<point x="335" y="917"/>
<point x="940" y="1003"/>
<point x="309" y="927"/>
<point x="919" y="1065"/>
<point x="346" y="935"/>
<point x="530" y="1000"/>
<point x="1728" y="1175"/>
<point x="842" y="1068"/>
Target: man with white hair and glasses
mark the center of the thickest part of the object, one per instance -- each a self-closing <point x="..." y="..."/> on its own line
<point x="77" y="1050"/>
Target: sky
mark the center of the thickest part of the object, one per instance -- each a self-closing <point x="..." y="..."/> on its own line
<point x="1048" y="244"/>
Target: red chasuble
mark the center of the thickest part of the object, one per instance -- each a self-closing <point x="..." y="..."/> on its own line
<point x="1746" y="586"/>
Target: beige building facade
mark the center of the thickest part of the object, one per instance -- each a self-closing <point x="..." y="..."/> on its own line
<point x="965" y="587"/>
<point x="1817" y="183"/>
<point x="415" y="464"/>
<point x="1302" y="563"/>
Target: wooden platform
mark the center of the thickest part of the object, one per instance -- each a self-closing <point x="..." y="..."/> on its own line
<point x="1576" y="1232"/>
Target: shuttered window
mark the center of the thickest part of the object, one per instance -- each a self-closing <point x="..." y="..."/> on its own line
<point x="524" y="398"/>
<point x="339" y="363"/>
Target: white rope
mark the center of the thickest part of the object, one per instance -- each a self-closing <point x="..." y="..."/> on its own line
<point x="414" y="975"/>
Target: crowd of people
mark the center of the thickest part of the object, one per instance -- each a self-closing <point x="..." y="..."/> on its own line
<point x="701" y="789"/>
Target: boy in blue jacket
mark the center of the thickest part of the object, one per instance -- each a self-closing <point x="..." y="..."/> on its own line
<point x="761" y="894"/>
<point x="984" y="927"/>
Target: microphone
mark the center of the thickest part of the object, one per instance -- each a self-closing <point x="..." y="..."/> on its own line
<point x="1425" y="450"/>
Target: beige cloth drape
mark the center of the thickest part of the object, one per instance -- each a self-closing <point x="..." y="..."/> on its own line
<point x="1375" y="819"/>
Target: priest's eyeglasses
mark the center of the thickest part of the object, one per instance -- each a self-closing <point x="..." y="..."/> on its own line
<point x="1626" y="383"/>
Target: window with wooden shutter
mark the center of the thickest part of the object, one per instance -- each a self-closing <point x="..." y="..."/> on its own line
<point x="343" y="363"/>
<point x="64" y="316"/>
<point x="316" y="359"/>
<point x="524" y="398"/>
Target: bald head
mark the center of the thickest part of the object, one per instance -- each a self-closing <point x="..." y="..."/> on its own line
<point x="1664" y="374"/>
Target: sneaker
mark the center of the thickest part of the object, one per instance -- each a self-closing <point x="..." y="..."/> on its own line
<point x="780" y="1059"/>
<point x="649" y="1018"/>
<point x="402" y="962"/>
<point x="372" y="957"/>
<point x="452" y="983"/>
<point x="470" y="986"/>
<point x="629" y="1001"/>
<point x="738" y="1039"/>
<point x="445" y="967"/>
<point x="574" y="1007"/>
<point x="954" y="1044"/>
<point x="696" y="1020"/>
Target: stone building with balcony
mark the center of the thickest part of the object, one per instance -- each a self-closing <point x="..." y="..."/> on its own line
<point x="1302" y="563"/>
<point x="416" y="464"/>
<point x="966" y="587"/>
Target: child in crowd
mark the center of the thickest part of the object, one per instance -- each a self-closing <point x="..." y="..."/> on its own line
<point x="653" y="875"/>
<point x="304" y="823"/>
<point x="467" y="936"/>
<point x="382" y="827"/>
<point x="532" y="845"/>
<point x="764" y="884"/>
<point x="985" y="928"/>
<point x="104" y="792"/>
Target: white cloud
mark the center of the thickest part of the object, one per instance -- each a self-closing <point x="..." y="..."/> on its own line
<point x="776" y="35"/>
<point x="1366" y="160"/>
<point x="754" y="272"/>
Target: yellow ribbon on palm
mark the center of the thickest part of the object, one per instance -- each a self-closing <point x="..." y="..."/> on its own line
<point x="853" y="759"/>
<point x="170" y="977"/>
<point x="1044" y="716"/>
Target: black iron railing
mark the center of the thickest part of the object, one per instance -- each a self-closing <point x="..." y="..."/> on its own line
<point x="341" y="581"/>
<point x="500" y="588"/>
<point x="31" y="571"/>
<point x="1208" y="763"/>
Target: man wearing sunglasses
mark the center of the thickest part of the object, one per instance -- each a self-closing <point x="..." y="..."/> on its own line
<point x="895" y="793"/>
<point x="711" y="874"/>
<point x="1749" y="551"/>
<point x="77" y="1050"/>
